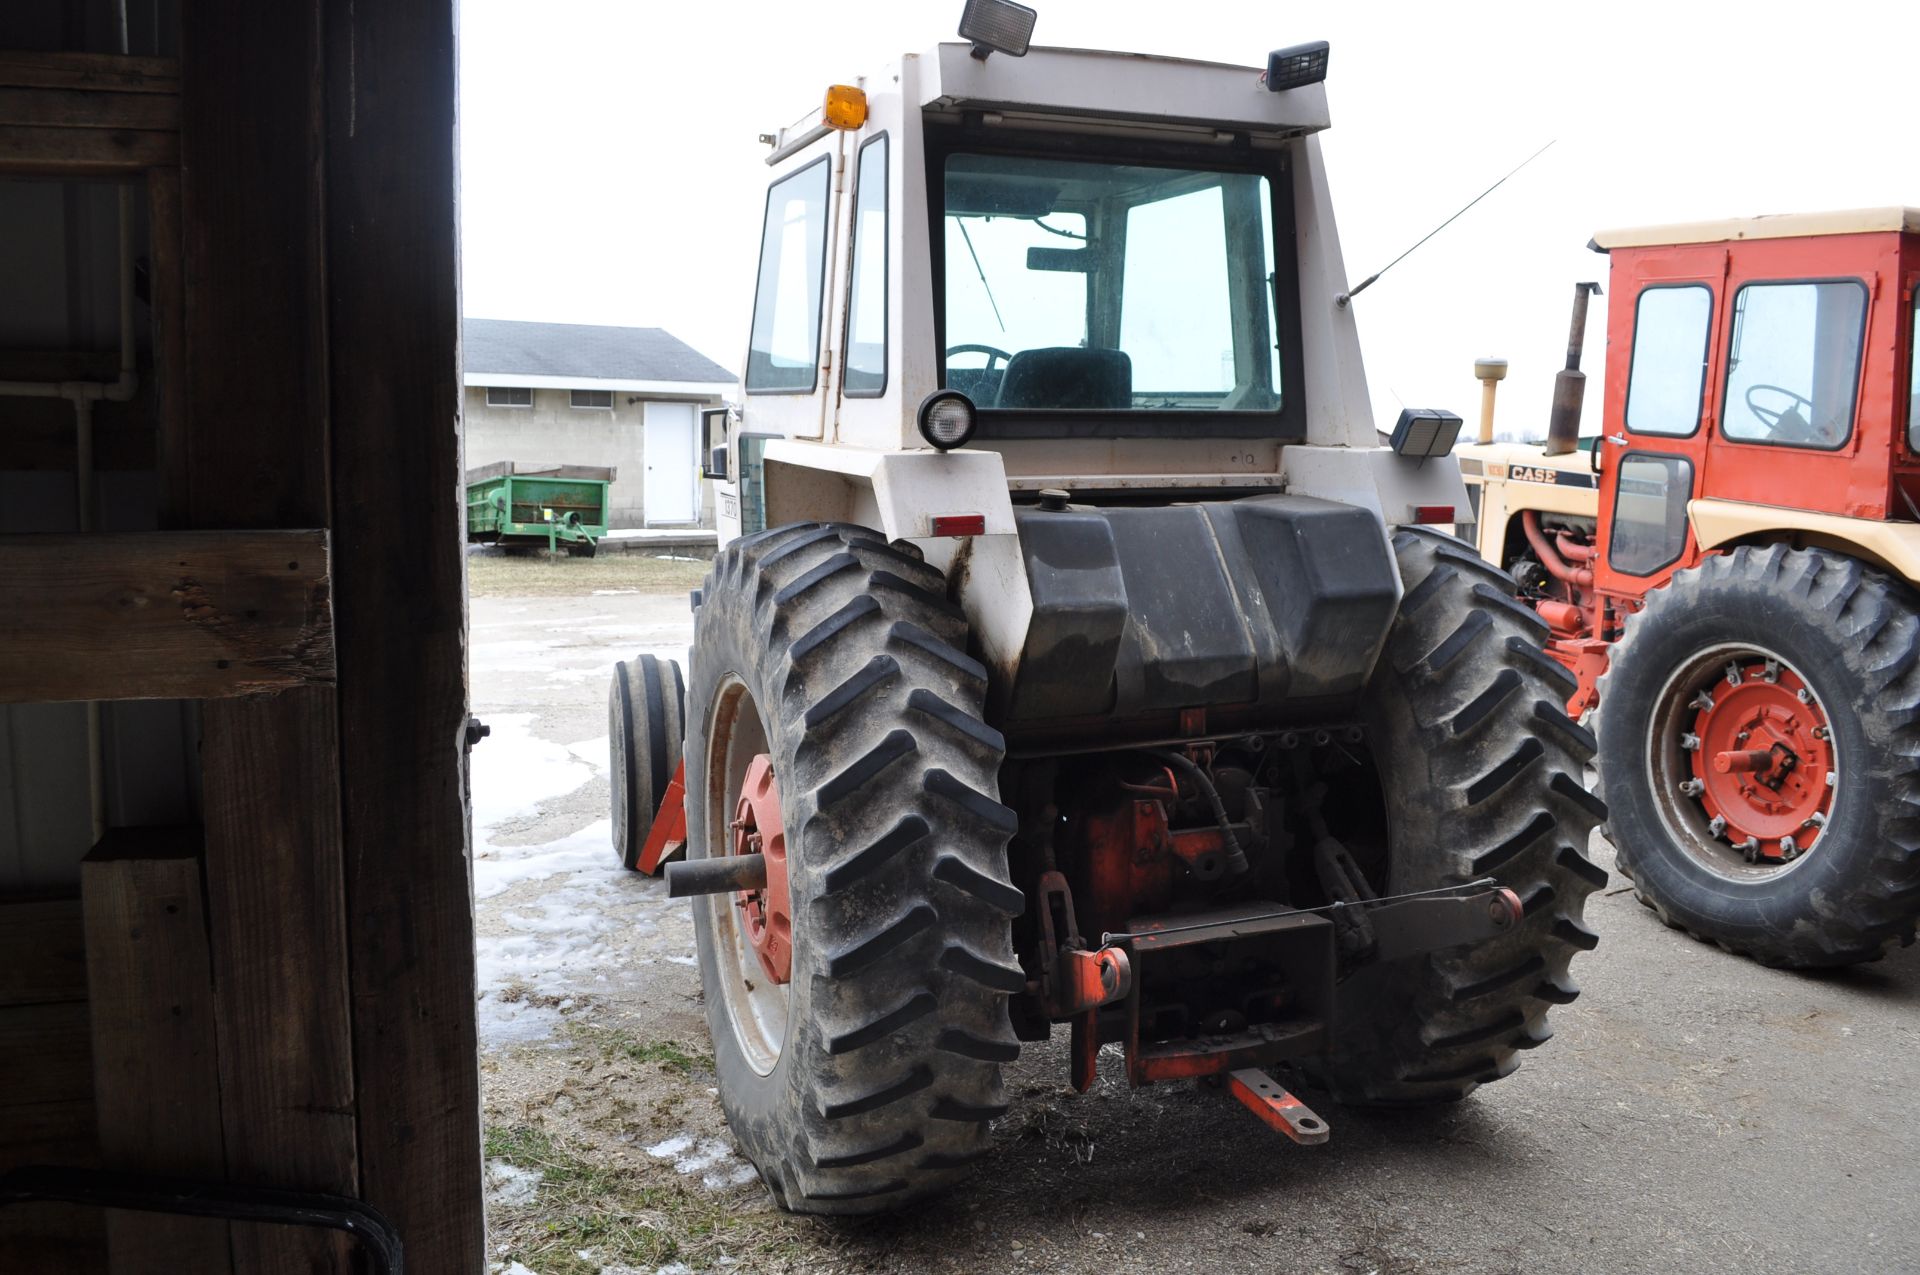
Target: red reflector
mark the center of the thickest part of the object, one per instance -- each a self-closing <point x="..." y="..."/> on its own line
<point x="1433" y="513"/>
<point x="973" y="524"/>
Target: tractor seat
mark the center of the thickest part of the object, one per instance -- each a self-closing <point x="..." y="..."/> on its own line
<point x="1068" y="377"/>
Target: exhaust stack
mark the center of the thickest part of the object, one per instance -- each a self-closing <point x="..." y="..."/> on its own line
<point x="1570" y="383"/>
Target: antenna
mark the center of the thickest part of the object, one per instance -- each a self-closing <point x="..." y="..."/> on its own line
<point x="1369" y="281"/>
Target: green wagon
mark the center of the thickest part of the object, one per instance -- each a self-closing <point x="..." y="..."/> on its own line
<point x="558" y="506"/>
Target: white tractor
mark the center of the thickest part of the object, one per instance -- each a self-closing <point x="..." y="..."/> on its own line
<point x="1075" y="653"/>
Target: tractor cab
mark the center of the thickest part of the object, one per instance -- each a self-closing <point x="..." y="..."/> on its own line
<point x="1760" y="387"/>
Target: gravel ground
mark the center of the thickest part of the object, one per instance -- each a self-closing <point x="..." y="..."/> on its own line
<point x="1693" y="1113"/>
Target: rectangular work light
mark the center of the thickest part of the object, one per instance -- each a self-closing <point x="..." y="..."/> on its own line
<point x="1423" y="432"/>
<point x="997" y="26"/>
<point x="1291" y="68"/>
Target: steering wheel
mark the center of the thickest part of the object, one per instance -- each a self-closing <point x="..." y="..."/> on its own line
<point x="1790" y="423"/>
<point x="995" y="355"/>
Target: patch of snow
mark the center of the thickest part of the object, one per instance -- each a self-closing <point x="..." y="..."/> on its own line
<point x="711" y="1158"/>
<point x="515" y="770"/>
<point x="509" y="1185"/>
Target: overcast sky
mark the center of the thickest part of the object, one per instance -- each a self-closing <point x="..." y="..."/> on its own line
<point x="610" y="172"/>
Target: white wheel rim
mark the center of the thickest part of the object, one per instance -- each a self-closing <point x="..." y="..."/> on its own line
<point x="755" y="1006"/>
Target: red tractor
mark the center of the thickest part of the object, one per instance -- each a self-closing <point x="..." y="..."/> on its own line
<point x="1730" y="571"/>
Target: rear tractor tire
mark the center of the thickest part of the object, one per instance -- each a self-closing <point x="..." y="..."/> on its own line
<point x="1758" y="728"/>
<point x="835" y="728"/>
<point x="646" y="707"/>
<point x="1480" y="771"/>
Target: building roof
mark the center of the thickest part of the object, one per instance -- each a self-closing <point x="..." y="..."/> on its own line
<point x="586" y="356"/>
<point x="1856" y="221"/>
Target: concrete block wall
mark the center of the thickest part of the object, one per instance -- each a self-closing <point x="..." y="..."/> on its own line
<point x="552" y="431"/>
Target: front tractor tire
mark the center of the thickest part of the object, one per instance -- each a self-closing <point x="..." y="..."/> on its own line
<point x="1758" y="729"/>
<point x="1480" y="771"/>
<point x="867" y="1079"/>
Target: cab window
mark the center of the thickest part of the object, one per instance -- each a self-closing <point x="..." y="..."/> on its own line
<point x="1793" y="362"/>
<point x="1669" y="373"/>
<point x="866" y="374"/>
<point x="1112" y="286"/>
<point x="1913" y="376"/>
<point x="783" y="356"/>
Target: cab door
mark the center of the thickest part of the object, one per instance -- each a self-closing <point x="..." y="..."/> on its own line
<point x="1661" y="352"/>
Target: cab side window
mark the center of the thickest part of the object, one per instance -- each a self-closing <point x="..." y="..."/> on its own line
<point x="784" y="354"/>
<point x="866" y="374"/>
<point x="1913" y="376"/>
<point x="1669" y="373"/>
<point x="1793" y="364"/>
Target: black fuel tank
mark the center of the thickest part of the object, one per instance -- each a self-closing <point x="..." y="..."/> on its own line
<point x="1242" y="602"/>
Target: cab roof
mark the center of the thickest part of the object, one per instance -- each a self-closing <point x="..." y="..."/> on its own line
<point x="1855" y="221"/>
<point x="1090" y="83"/>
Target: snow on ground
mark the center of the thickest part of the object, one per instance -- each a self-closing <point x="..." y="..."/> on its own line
<point x="559" y="917"/>
<point x="711" y="1158"/>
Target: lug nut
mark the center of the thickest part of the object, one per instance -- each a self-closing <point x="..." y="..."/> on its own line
<point x="1750" y="848"/>
<point x="1772" y="671"/>
<point x="1690" y="742"/>
<point x="1733" y="674"/>
<point x="1692" y="787"/>
<point x="1831" y="778"/>
<point x="1703" y="702"/>
<point x="1815" y="820"/>
<point x="1804" y="695"/>
<point x="1718" y="825"/>
<point x="1789" y="849"/>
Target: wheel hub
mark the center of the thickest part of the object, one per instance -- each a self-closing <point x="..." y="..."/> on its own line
<point x="1762" y="759"/>
<point x="766" y="912"/>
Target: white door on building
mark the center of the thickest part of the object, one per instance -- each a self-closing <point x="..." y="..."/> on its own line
<point x="673" y="474"/>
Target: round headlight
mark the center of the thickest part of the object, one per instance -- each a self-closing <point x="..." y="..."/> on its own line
<point x="946" y="419"/>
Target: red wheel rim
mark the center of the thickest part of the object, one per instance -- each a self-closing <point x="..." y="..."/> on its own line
<point x="768" y="911"/>
<point x="1762" y="760"/>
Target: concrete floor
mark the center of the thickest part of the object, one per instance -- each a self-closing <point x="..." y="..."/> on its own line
<point x="1693" y="1113"/>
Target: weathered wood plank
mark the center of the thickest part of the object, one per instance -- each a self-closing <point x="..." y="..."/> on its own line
<point x="81" y="108"/>
<point x="50" y="1237"/>
<point x="104" y="72"/>
<point x="156" y="1072"/>
<point x="394" y="337"/>
<point x="42" y="953"/>
<point x="253" y="204"/>
<point x="45" y="1056"/>
<point x="163" y="615"/>
<point x="84" y="152"/>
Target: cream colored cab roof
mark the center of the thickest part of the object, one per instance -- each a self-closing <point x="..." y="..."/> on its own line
<point x="1856" y="221"/>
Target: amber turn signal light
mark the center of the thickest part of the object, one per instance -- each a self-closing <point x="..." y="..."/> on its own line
<point x="846" y="107"/>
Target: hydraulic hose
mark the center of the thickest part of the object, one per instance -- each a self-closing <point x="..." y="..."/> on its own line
<point x="1236" y="853"/>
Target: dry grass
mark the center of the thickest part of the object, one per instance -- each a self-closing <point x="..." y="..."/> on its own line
<point x="537" y="575"/>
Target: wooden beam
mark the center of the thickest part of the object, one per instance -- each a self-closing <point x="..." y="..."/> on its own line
<point x="163" y="615"/>
<point x="156" y="1074"/>
<point x="394" y="337"/>
<point x="81" y="108"/>
<point x="44" y="1055"/>
<point x="100" y="72"/>
<point x="84" y="152"/>
<point x="42" y="952"/>
<point x="253" y="205"/>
